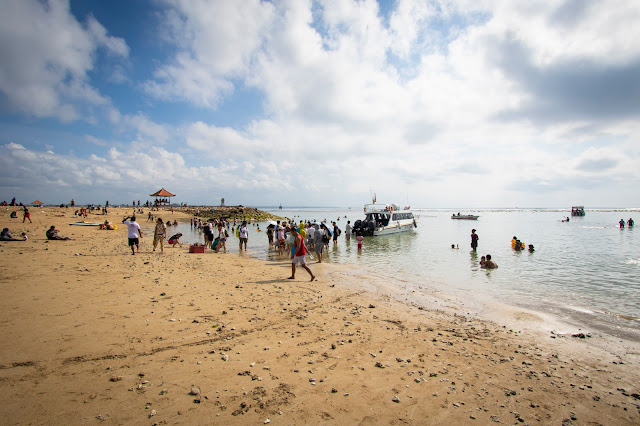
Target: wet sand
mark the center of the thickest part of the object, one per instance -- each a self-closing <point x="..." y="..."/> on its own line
<point x="90" y="333"/>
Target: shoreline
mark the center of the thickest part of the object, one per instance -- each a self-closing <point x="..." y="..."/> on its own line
<point x="90" y="332"/>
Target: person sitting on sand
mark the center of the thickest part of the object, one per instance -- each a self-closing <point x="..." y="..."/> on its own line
<point x="490" y="264"/>
<point x="175" y="222"/>
<point x="53" y="234"/>
<point x="13" y="215"/>
<point x="175" y="239"/>
<point x="6" y="236"/>
<point x="107" y="225"/>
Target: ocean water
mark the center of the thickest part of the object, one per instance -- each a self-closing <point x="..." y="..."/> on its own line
<point x="585" y="271"/>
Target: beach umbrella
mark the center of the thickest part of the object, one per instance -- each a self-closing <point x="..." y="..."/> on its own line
<point x="272" y="222"/>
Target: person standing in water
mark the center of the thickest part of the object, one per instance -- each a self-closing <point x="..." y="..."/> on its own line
<point x="621" y="223"/>
<point x="630" y="223"/>
<point x="474" y="240"/>
<point x="243" y="235"/>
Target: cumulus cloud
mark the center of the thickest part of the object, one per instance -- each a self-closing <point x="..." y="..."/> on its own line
<point x="529" y="99"/>
<point x="45" y="58"/>
<point x="216" y="41"/>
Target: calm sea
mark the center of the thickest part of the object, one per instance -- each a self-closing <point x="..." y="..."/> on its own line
<point x="585" y="271"/>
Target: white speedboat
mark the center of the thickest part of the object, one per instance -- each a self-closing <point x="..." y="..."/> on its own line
<point x="384" y="219"/>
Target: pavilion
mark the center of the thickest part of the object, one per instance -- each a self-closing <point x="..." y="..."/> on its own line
<point x="163" y="197"/>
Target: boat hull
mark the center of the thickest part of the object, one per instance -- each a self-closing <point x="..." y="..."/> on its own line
<point x="394" y="229"/>
<point x="467" y="217"/>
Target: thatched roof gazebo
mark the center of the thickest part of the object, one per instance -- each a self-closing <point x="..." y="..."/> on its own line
<point x="162" y="197"/>
<point x="37" y="203"/>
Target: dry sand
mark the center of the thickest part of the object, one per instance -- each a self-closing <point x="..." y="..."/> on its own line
<point x="91" y="333"/>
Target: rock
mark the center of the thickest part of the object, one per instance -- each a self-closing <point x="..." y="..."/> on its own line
<point x="395" y="399"/>
<point x="194" y="391"/>
<point x="116" y="378"/>
<point x="152" y="413"/>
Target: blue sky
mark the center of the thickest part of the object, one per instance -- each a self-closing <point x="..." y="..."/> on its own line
<point x="446" y="104"/>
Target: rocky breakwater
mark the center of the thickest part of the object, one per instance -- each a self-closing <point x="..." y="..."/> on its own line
<point x="229" y="212"/>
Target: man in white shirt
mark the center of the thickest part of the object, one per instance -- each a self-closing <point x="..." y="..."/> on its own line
<point x="243" y="234"/>
<point x="134" y="233"/>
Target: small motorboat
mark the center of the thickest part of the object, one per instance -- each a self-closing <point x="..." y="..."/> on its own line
<point x="464" y="217"/>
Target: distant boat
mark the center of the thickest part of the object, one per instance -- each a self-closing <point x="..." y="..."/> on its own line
<point x="577" y="211"/>
<point x="464" y="217"/>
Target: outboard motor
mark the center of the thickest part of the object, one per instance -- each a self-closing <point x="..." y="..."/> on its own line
<point x="371" y="225"/>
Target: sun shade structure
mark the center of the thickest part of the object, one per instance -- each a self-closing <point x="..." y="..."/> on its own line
<point x="162" y="197"/>
<point x="37" y="203"/>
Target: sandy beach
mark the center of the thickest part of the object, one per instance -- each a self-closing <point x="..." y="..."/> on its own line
<point x="91" y="333"/>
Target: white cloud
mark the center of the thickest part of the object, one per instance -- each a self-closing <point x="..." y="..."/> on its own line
<point x="45" y="56"/>
<point x="451" y="102"/>
<point x="216" y="40"/>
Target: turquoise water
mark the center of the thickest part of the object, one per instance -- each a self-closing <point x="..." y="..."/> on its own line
<point x="587" y="269"/>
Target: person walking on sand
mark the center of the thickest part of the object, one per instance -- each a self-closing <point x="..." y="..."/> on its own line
<point x="26" y="215"/>
<point x="159" y="235"/>
<point x="243" y="235"/>
<point x="134" y="233"/>
<point x="474" y="240"/>
<point x="299" y="252"/>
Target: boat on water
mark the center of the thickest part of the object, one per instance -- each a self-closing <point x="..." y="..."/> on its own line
<point x="577" y="211"/>
<point x="385" y="219"/>
<point x="464" y="217"/>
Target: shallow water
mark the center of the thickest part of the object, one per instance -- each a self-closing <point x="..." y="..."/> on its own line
<point x="586" y="270"/>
